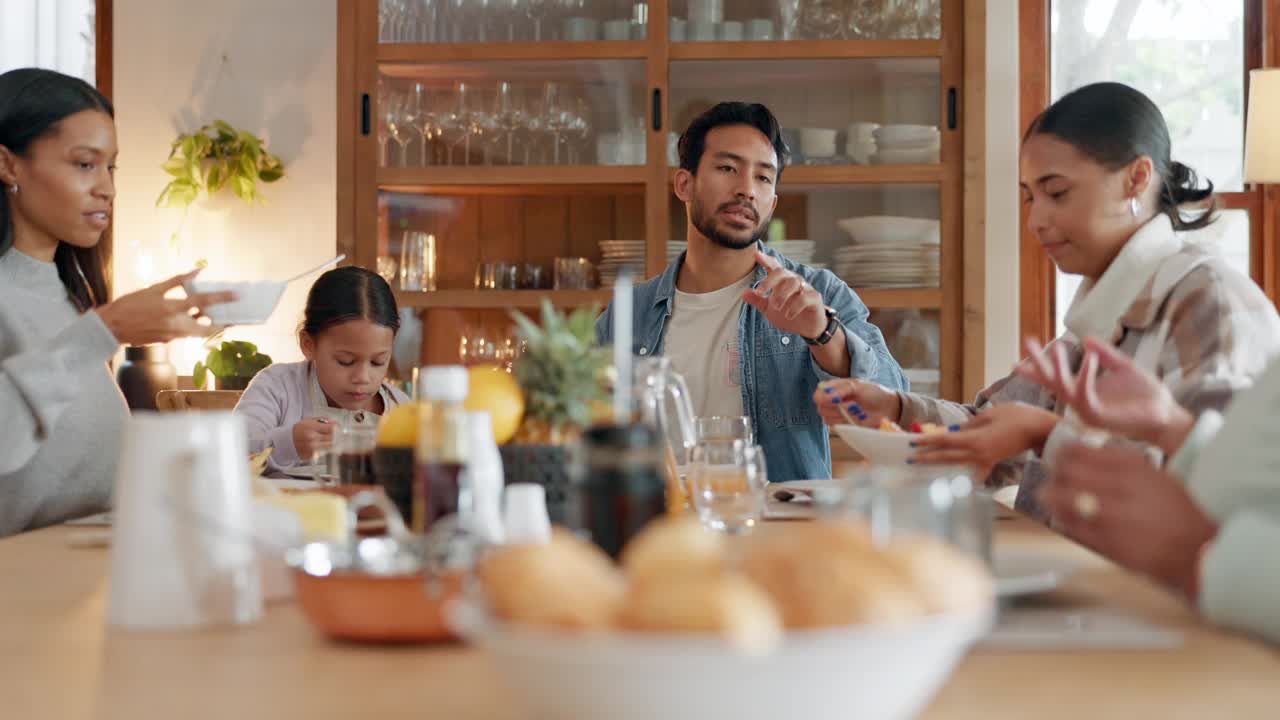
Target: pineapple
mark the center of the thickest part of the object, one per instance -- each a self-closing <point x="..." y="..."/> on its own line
<point x="563" y="373"/>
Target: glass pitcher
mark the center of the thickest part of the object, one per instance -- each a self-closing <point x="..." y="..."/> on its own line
<point x="664" y="402"/>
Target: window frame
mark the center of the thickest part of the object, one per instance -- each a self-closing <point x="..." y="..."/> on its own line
<point x="1037" y="278"/>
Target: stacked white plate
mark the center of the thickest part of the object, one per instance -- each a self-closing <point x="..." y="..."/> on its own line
<point x="800" y="251"/>
<point x="906" y="144"/>
<point x="888" y="265"/>
<point x="617" y="254"/>
<point x="860" y="141"/>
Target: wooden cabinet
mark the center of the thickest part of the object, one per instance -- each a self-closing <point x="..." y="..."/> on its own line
<point x="522" y="131"/>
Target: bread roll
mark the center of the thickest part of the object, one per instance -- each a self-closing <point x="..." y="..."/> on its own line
<point x="945" y="578"/>
<point x="829" y="573"/>
<point x="672" y="546"/>
<point x="719" y="602"/>
<point x="566" y="582"/>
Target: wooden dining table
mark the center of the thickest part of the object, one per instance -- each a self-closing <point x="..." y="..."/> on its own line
<point x="62" y="661"/>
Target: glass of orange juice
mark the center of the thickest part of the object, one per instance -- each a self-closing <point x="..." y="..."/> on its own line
<point x="725" y="485"/>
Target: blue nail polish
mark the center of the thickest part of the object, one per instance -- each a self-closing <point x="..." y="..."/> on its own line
<point x="835" y="401"/>
<point x="854" y="407"/>
<point x="828" y="390"/>
<point x="911" y="444"/>
<point x="953" y="428"/>
<point x="910" y="461"/>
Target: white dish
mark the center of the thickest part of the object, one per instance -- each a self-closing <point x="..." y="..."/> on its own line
<point x="878" y="446"/>
<point x="1019" y="571"/>
<point x="824" y="674"/>
<point x="254" y="304"/>
<point x="889" y="134"/>
<point x="818" y="142"/>
<point x="876" y="229"/>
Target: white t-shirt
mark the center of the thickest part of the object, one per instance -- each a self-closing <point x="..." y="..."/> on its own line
<point x="702" y="342"/>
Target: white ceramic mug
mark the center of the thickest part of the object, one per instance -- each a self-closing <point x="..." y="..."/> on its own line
<point x="182" y="554"/>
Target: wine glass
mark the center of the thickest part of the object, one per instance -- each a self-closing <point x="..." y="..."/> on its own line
<point x="424" y="120"/>
<point x="401" y="122"/>
<point x="509" y="114"/>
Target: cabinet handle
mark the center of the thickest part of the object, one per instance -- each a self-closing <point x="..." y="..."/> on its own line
<point x="657" y="109"/>
<point x="951" y="109"/>
<point x="365" y="119"/>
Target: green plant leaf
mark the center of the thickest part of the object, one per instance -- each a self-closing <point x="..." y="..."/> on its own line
<point x="198" y="375"/>
<point x="175" y="166"/>
<point x="216" y="178"/>
<point x="242" y="187"/>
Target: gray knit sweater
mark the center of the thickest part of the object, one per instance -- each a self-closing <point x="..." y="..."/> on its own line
<point x="61" y="414"/>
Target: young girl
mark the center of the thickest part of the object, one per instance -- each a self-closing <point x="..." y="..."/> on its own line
<point x="1103" y="198"/>
<point x="349" y="328"/>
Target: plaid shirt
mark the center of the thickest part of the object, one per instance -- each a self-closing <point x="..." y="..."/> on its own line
<point x="1200" y="326"/>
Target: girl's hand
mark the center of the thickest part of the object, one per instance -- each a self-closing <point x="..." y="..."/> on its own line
<point x="997" y="434"/>
<point x="311" y="436"/>
<point x="865" y="402"/>
<point x="1110" y="393"/>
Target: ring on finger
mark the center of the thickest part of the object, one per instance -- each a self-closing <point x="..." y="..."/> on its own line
<point x="1086" y="505"/>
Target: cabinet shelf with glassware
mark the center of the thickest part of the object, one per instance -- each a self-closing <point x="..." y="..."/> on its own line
<point x="519" y="132"/>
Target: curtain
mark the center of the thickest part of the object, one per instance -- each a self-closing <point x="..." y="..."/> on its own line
<point x="53" y="34"/>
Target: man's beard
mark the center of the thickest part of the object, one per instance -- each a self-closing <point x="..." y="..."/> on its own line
<point x="706" y="224"/>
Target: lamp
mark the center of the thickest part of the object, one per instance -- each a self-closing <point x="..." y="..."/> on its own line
<point x="1261" y="137"/>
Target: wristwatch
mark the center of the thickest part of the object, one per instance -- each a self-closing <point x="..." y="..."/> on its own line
<point x="833" y="324"/>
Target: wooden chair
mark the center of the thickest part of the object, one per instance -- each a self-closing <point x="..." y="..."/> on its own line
<point x="189" y="400"/>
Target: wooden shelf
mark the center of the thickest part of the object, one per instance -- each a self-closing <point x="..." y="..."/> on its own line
<point x="605" y="179"/>
<point x="498" y="299"/>
<point x="539" y="51"/>
<point x="805" y="50"/>
<point x="854" y="175"/>
<point x="639" y="49"/>
<point x="923" y="298"/>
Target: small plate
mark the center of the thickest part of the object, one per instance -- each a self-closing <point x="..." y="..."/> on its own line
<point x="1020" y="572"/>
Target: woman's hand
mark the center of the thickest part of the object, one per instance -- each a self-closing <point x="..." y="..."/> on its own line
<point x="311" y="436"/>
<point x="146" y="316"/>
<point x="865" y="402"/>
<point x="1110" y="393"/>
<point x="997" y="434"/>
<point x="1115" y="502"/>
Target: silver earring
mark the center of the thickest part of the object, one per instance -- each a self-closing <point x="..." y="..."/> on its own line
<point x="1133" y="206"/>
<point x="13" y="189"/>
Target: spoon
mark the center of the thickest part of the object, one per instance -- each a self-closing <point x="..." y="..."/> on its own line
<point x="322" y="266"/>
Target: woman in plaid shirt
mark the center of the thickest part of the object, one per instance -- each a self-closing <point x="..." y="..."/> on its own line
<point x="1103" y="197"/>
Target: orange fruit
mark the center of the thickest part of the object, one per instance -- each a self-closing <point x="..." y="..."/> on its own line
<point x="494" y="390"/>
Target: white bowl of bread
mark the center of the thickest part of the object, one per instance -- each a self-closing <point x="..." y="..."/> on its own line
<point x="801" y="620"/>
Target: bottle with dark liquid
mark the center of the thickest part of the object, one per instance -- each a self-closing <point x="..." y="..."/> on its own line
<point x="441" y="452"/>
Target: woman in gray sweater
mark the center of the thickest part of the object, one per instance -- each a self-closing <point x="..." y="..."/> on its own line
<point x="60" y="412"/>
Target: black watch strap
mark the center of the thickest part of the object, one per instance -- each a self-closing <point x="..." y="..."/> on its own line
<point x="833" y="323"/>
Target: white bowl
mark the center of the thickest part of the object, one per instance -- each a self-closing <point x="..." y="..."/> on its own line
<point x="256" y="300"/>
<point x="818" y="142"/>
<point x="867" y="672"/>
<point x="881" y="447"/>
<point x="890" y="134"/>
<point x="874" y="229"/>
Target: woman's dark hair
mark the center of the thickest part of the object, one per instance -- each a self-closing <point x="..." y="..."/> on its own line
<point x="349" y="293"/>
<point x="32" y="103"/>
<point x="694" y="139"/>
<point x="1112" y="124"/>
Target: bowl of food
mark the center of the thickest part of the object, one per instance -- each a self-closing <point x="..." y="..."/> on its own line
<point x="804" y="620"/>
<point x="888" y="443"/>
<point x="254" y="303"/>
<point x="383" y="590"/>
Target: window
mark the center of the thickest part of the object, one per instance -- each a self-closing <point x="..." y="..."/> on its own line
<point x="55" y="34"/>
<point x="1192" y="58"/>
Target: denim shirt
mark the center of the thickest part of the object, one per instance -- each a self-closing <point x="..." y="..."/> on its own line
<point x="779" y="374"/>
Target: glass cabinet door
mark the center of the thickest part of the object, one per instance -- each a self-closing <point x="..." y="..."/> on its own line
<point x="464" y="114"/>
<point x="768" y="20"/>
<point x="833" y="112"/>
<point x="493" y="21"/>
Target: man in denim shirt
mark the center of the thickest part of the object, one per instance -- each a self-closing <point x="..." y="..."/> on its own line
<point x="752" y="332"/>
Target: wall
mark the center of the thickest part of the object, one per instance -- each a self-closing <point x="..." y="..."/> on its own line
<point x="278" y="80"/>
<point x="1002" y="220"/>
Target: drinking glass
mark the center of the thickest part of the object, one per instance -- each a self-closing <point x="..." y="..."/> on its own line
<point x="573" y="274"/>
<point x="509" y="115"/>
<point x="941" y="501"/>
<point x="725" y="486"/>
<point x="418" y="261"/>
<point x="424" y="122"/>
<point x="351" y="457"/>
<point x="725" y="428"/>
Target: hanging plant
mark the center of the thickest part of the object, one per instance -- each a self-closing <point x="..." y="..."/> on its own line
<point x="214" y="157"/>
